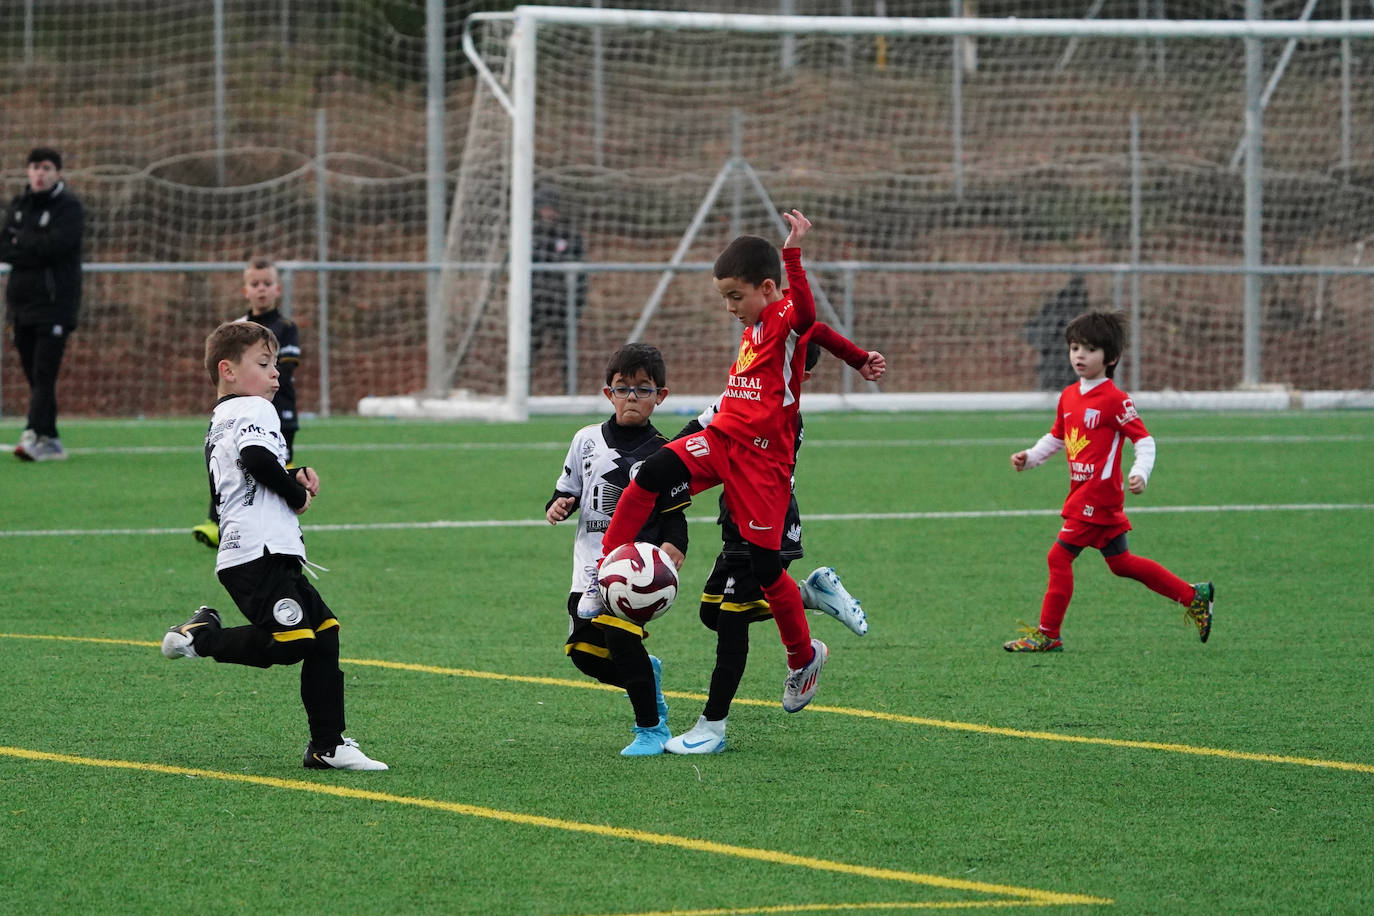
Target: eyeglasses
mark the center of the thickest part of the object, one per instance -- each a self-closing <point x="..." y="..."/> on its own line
<point x="643" y="392"/>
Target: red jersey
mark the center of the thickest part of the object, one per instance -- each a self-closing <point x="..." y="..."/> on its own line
<point x="1094" y="427"/>
<point x="760" y="405"/>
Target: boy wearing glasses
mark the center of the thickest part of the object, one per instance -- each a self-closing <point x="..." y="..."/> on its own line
<point x="596" y="471"/>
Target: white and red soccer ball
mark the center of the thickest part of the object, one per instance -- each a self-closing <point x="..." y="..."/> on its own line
<point x="638" y="582"/>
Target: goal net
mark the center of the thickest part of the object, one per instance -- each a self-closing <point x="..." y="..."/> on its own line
<point x="968" y="192"/>
<point x="200" y="134"/>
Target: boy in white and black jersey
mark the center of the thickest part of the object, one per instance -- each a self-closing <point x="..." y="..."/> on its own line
<point x="600" y="462"/>
<point x="261" y="555"/>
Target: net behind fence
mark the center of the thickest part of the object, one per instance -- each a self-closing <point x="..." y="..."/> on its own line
<point x="635" y="127"/>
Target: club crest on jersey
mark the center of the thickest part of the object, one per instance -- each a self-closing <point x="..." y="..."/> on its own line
<point x="287" y="612"/>
<point x="747" y="355"/>
<point x="1075" y="442"/>
<point x="1091" y="417"/>
<point x="698" y="446"/>
<point x="1127" y="412"/>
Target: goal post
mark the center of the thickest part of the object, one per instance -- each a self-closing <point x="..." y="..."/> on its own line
<point x="955" y="196"/>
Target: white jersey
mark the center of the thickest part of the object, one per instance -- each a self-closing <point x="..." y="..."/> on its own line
<point x="252" y="518"/>
<point x="599" y="465"/>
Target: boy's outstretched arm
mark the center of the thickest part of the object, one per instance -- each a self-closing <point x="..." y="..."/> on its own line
<point x="869" y="363"/>
<point x="800" y="226"/>
<point x="803" y="304"/>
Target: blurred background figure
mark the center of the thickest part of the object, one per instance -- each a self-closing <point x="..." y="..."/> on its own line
<point x="1045" y="332"/>
<point x="554" y="240"/>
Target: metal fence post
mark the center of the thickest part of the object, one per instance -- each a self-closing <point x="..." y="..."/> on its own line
<point x="322" y="245"/>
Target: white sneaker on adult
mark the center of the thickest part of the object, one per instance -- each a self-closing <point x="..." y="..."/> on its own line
<point x="823" y="591"/>
<point x="23" y="449"/>
<point x="48" y="448"/>
<point x="706" y="737"/>
<point x="347" y="756"/>
<point x="800" y="686"/>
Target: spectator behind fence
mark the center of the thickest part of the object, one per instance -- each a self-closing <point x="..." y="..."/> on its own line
<point x="553" y="240"/>
<point x="41" y="241"/>
<point x="1045" y="332"/>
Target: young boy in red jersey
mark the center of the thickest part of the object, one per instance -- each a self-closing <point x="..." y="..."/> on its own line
<point x="1092" y="419"/>
<point x="749" y="445"/>
<point x="732" y="601"/>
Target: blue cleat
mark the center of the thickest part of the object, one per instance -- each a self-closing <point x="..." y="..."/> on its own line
<point x="648" y="741"/>
<point x="658" y="689"/>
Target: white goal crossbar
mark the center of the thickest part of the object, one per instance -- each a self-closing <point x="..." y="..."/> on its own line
<point x="516" y="90"/>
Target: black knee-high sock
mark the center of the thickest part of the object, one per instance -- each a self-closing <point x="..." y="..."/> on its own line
<point x="322" y="690"/>
<point x="732" y="653"/>
<point x="636" y="673"/>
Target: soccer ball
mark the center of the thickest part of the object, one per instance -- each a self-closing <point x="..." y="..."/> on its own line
<point x="638" y="582"/>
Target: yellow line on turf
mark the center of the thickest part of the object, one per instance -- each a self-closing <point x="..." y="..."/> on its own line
<point x="534" y="820"/>
<point x="850" y="907"/>
<point x="948" y="724"/>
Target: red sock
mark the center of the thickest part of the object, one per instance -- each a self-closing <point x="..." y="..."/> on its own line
<point x="631" y="512"/>
<point x="1154" y="576"/>
<point x="1059" y="592"/>
<point x="784" y="598"/>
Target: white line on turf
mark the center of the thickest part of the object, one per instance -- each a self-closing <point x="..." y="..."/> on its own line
<point x="936" y="442"/>
<point x="710" y="520"/>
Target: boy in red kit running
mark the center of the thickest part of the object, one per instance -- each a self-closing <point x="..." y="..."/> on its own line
<point x="749" y="445"/>
<point x="1092" y="418"/>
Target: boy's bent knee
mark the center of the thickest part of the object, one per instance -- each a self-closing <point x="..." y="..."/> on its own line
<point x="766" y="564"/>
<point x="662" y="470"/>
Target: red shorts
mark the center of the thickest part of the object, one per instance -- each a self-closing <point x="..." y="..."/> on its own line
<point x="1079" y="533"/>
<point x="756" y="491"/>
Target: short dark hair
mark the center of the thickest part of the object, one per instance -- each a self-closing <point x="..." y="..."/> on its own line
<point x="1104" y="330"/>
<point x="751" y="259"/>
<point x="635" y="356"/>
<point x="45" y="154"/>
<point x="260" y="263"/>
<point x="230" y="340"/>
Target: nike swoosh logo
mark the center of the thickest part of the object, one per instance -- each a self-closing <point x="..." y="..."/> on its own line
<point x="759" y="527"/>
<point x="191" y="626"/>
<point x="697" y="743"/>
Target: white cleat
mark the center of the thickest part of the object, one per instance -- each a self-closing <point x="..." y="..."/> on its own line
<point x="823" y="591"/>
<point x="347" y="756"/>
<point x="591" y="605"/>
<point x="800" y="686"/>
<point x="179" y="641"/>
<point x="706" y="737"/>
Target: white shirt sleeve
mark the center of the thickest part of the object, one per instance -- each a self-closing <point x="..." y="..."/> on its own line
<point x="571" y="480"/>
<point x="1038" y="453"/>
<point x="260" y="426"/>
<point x="1144" y="459"/>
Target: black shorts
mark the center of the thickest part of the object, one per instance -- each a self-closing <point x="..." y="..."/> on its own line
<point x="275" y="595"/>
<point x="735" y="547"/>
<point x="589" y="636"/>
<point x="733" y="587"/>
